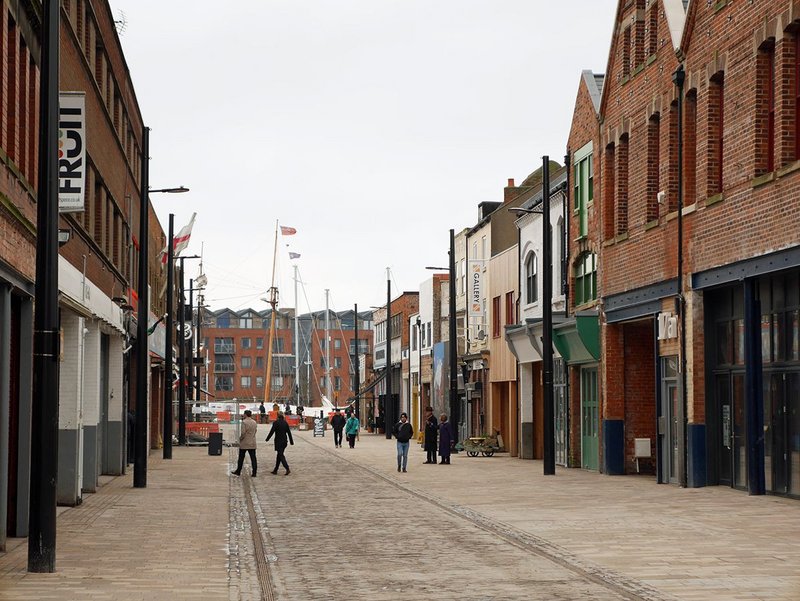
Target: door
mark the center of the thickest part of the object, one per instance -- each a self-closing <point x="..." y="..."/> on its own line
<point x="590" y="419"/>
<point x="782" y="432"/>
<point x="669" y="420"/>
<point x="729" y="393"/>
<point x="103" y="437"/>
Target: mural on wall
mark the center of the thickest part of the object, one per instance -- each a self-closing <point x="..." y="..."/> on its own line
<point x="439" y="385"/>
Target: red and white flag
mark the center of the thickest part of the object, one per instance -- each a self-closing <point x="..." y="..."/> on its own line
<point x="179" y="240"/>
<point x="288" y="231"/>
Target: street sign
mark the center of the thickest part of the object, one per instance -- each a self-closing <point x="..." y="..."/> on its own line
<point x="187" y="331"/>
<point x="319" y="426"/>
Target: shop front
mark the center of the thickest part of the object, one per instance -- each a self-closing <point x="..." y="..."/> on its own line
<point x="752" y="332"/>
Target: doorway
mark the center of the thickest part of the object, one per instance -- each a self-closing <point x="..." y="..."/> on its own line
<point x="590" y="420"/>
<point x="561" y="412"/>
<point x="669" y="420"/>
<point x="731" y="434"/>
<point x="782" y="432"/>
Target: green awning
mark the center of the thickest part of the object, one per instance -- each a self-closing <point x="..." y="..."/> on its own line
<point x="578" y="339"/>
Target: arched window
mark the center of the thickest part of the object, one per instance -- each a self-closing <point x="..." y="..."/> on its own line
<point x="586" y="278"/>
<point x="531" y="279"/>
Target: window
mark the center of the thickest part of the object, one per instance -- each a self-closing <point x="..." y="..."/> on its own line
<point x="531" y="278"/>
<point x="483" y="248"/>
<point x="690" y="148"/>
<point x="653" y="149"/>
<point x="716" y="124"/>
<point x="245" y="381"/>
<point x="277" y="382"/>
<point x="247" y="363"/>
<point x="224" y="345"/>
<point x="765" y="109"/>
<point x="259" y="343"/>
<point x="260" y="362"/>
<point x="224" y="383"/>
<point x="223" y="321"/>
<point x="414" y="338"/>
<point x="652" y="30"/>
<point x="429" y="338"/>
<point x="609" y="189"/>
<point x="510" y="308"/>
<point x="246" y="343"/>
<point x="626" y="53"/>
<point x="463" y="276"/>
<point x="337" y="362"/>
<point x="584" y="187"/>
<point x="586" y="278"/>
<point x="337" y="383"/>
<point x="246" y="322"/>
<point x="337" y="343"/>
<point x="496" y="317"/>
<point x="277" y="345"/>
<point x="259" y="381"/>
<point x="622" y="185"/>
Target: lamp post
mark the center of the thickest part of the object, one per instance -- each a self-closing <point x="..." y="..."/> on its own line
<point x="388" y="403"/>
<point x="549" y="463"/>
<point x="182" y="358"/>
<point x="44" y="451"/>
<point x="142" y="356"/>
<point x="455" y="407"/>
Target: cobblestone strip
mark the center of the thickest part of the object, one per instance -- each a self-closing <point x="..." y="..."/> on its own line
<point x="628" y="588"/>
<point x="242" y="582"/>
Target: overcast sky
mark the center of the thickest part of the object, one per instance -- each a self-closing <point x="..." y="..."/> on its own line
<point x="370" y="126"/>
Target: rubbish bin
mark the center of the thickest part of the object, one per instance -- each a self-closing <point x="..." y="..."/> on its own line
<point x="215" y="443"/>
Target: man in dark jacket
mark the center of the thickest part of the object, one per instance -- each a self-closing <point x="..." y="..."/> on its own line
<point x="431" y="435"/>
<point x="337" y="423"/>
<point x="282" y="432"/>
<point x="403" y="432"/>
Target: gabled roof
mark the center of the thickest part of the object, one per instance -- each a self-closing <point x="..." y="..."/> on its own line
<point x="675" y="12"/>
<point x="594" y="83"/>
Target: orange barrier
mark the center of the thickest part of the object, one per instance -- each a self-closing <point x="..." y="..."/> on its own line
<point x="293" y="420"/>
<point x="202" y="428"/>
<point x="224" y="416"/>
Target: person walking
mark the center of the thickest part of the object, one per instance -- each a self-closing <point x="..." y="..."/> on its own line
<point x="351" y="429"/>
<point x="247" y="444"/>
<point x="283" y="434"/>
<point x="262" y="413"/>
<point x="445" y="439"/>
<point x="337" y="423"/>
<point x="403" y="432"/>
<point x="431" y="435"/>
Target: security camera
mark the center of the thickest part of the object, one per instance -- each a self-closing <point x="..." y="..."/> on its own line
<point x="660" y="197"/>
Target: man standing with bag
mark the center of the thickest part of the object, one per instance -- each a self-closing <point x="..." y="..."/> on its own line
<point x="337" y="423"/>
<point x="403" y="432"/>
<point x="247" y="444"/>
<point x="431" y="435"/>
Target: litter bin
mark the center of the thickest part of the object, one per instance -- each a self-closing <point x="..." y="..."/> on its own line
<point x="215" y="443"/>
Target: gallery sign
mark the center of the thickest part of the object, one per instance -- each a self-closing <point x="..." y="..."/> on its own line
<point x="475" y="284"/>
<point x="71" y="151"/>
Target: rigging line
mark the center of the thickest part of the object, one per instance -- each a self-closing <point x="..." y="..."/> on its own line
<point x="314" y="331"/>
<point x="355" y="343"/>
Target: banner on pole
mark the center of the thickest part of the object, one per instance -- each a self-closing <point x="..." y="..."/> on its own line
<point x="71" y="151"/>
<point x="474" y="303"/>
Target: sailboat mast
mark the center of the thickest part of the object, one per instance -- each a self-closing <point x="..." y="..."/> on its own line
<point x="273" y="301"/>
<point x="296" y="345"/>
<point x="327" y="345"/>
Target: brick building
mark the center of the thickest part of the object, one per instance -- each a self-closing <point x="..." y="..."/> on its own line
<point x="732" y="293"/>
<point x="389" y="364"/>
<point x="238" y="342"/>
<point x="96" y="266"/>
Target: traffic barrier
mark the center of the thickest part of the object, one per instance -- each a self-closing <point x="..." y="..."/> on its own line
<point x="202" y="428"/>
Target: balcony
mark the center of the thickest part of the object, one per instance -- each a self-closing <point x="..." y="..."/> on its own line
<point x="224" y="349"/>
<point x="224" y="368"/>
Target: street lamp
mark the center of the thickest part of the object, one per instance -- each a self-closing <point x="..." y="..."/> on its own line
<point x="547" y="320"/>
<point x="455" y="408"/>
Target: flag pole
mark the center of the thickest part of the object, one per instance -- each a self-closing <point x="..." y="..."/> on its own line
<point x="273" y="301"/>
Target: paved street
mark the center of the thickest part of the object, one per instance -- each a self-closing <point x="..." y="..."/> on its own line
<point x="346" y="525"/>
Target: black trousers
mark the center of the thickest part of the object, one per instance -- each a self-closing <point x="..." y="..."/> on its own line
<point x="337" y="437"/>
<point x="280" y="459"/>
<point x="253" y="461"/>
<point x="431" y="456"/>
<point x="351" y="438"/>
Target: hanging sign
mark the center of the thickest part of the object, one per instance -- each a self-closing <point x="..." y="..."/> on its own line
<point x="475" y="284"/>
<point x="71" y="151"/>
